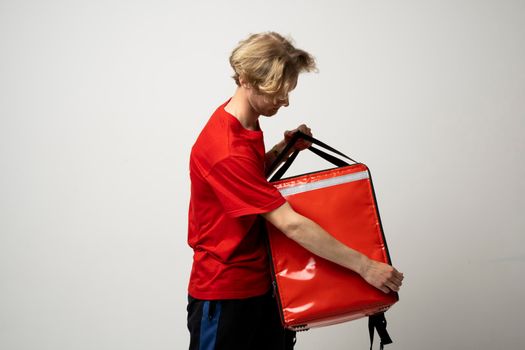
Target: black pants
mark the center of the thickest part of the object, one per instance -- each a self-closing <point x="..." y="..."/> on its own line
<point x="238" y="324"/>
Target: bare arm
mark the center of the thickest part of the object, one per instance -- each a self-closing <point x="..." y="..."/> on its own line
<point x="314" y="238"/>
<point x="272" y="154"/>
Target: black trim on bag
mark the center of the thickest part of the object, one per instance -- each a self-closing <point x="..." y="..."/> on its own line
<point x="379" y="219"/>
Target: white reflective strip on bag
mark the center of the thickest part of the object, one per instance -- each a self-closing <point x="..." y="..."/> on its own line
<point x="324" y="183"/>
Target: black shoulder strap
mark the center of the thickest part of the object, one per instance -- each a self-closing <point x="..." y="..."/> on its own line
<point x="378" y="322"/>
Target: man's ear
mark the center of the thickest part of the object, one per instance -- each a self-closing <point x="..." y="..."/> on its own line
<point x="244" y="83"/>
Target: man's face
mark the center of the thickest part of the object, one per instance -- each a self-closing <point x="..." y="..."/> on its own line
<point x="266" y="105"/>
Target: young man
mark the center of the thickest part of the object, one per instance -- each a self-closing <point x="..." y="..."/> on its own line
<point x="230" y="303"/>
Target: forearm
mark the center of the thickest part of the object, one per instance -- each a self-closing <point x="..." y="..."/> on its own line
<point x="272" y="154"/>
<point x="315" y="239"/>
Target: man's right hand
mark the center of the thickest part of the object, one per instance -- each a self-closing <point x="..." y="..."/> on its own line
<point x="382" y="276"/>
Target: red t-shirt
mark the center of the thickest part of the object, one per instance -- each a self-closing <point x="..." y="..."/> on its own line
<point x="228" y="190"/>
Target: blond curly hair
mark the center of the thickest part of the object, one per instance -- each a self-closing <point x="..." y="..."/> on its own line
<point x="270" y="63"/>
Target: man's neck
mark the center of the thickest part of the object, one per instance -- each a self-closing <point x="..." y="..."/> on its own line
<point x="240" y="108"/>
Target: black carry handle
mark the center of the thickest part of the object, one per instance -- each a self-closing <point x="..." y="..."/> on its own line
<point x="299" y="135"/>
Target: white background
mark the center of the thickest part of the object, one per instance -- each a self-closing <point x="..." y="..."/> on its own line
<point x="100" y="102"/>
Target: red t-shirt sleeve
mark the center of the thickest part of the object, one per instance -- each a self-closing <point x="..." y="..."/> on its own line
<point x="242" y="189"/>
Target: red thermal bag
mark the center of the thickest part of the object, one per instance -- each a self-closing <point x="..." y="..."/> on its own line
<point x="312" y="291"/>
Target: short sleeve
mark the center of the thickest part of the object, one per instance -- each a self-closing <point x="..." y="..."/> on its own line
<point x="241" y="187"/>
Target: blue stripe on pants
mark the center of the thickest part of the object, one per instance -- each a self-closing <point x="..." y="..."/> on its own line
<point x="209" y="326"/>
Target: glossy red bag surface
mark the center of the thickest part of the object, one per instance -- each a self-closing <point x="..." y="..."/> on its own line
<point x="312" y="291"/>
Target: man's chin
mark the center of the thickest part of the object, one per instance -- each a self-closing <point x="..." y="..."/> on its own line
<point x="271" y="113"/>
